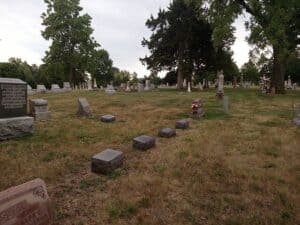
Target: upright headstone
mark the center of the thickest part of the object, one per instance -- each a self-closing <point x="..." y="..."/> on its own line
<point x="89" y="84"/>
<point x="110" y="89"/>
<point x="14" y="121"/>
<point x="67" y="86"/>
<point x="140" y="87"/>
<point x="200" y="86"/>
<point x="95" y="83"/>
<point x="234" y="82"/>
<point x="55" y="88"/>
<point x="128" y="89"/>
<point x="39" y="109"/>
<point x="29" y="90"/>
<point x="184" y="83"/>
<point x="40" y="88"/>
<point x="84" y="108"/>
<point x="147" y="85"/>
<point x="289" y="83"/>
<point x="189" y="87"/>
<point x="220" y="92"/>
<point x="26" y="204"/>
<point x="225" y="104"/>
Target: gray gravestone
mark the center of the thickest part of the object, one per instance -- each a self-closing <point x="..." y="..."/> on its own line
<point x="26" y="204"/>
<point x="110" y="89"/>
<point x="40" y="88"/>
<point x="55" y="88"/>
<point x="84" y="108"/>
<point x="167" y="133"/>
<point x="67" y="86"/>
<point x="143" y="142"/>
<point x="107" y="161"/>
<point x="108" y="118"/>
<point x="13" y="109"/>
<point x="140" y="87"/>
<point x="182" y="124"/>
<point x="39" y="109"/>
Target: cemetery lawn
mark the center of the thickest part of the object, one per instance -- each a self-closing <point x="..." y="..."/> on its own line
<point x="241" y="168"/>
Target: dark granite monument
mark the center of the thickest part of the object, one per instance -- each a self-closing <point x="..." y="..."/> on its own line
<point x="107" y="161"/>
<point x="13" y="109"/>
<point x="143" y="142"/>
<point x="26" y="204"/>
<point x="13" y="96"/>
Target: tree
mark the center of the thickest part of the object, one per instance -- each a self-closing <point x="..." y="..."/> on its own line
<point x="250" y="72"/>
<point x="181" y="41"/>
<point x="100" y="66"/>
<point x="273" y="23"/>
<point x="70" y="33"/>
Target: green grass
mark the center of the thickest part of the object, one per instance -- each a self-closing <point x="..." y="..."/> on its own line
<point x="240" y="168"/>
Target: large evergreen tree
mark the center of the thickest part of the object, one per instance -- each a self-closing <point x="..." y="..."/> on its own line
<point x="180" y="41"/>
<point x="71" y="38"/>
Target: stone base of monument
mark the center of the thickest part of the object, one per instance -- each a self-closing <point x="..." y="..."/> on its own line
<point x="220" y="95"/>
<point x="108" y="118"/>
<point x="107" y="161"/>
<point x="296" y="121"/>
<point x="143" y="142"/>
<point x="182" y="124"/>
<point x="167" y="133"/>
<point x="42" y="116"/>
<point x="16" y="127"/>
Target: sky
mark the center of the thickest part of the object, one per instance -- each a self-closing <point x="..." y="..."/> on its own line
<point x="119" y="26"/>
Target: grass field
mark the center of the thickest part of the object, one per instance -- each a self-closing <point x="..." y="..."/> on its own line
<point x="241" y="168"/>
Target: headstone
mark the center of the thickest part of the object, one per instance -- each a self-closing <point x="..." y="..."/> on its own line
<point x="234" y="82"/>
<point x="225" y="104"/>
<point x="95" y="83"/>
<point x="123" y="86"/>
<point x="29" y="90"/>
<point x="128" y="89"/>
<point x="40" y="88"/>
<point x="143" y="142"/>
<point x="108" y="118"/>
<point x="200" y="86"/>
<point x="89" y="84"/>
<point x="110" y="89"/>
<point x="197" y="109"/>
<point x="140" y="87"/>
<point x="84" y="108"/>
<point x="67" y="86"/>
<point x="107" y="161"/>
<point x="220" y="92"/>
<point x="13" y="109"/>
<point x="189" y="87"/>
<point x="39" y="109"/>
<point x="147" y="85"/>
<point x="55" y="88"/>
<point x="182" y="124"/>
<point x="294" y="86"/>
<point x="167" y="133"/>
<point x="296" y="121"/>
<point x="184" y="83"/>
<point x="26" y="204"/>
<point x="289" y="83"/>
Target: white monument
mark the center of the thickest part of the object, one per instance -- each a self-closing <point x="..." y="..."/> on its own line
<point x="220" y="91"/>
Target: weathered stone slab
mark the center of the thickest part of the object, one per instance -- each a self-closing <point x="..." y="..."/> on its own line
<point x="40" y="88"/>
<point x="107" y="161"/>
<point x="110" y="89"/>
<point x="143" y="142"/>
<point x="182" y="124"/>
<point x="84" y="108"/>
<point x="296" y="121"/>
<point x="26" y="204"/>
<point x="108" y="118"/>
<point x="13" y="98"/>
<point x="55" y="88"/>
<point x="15" y="127"/>
<point x="39" y="109"/>
<point x="167" y="133"/>
<point x="67" y="86"/>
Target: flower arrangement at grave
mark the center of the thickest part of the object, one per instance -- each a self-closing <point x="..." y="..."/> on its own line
<point x="197" y="109"/>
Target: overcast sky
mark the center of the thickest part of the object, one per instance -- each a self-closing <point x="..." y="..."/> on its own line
<point x="119" y="27"/>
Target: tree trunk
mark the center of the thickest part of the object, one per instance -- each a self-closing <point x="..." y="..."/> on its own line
<point x="180" y="77"/>
<point x="277" y="77"/>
